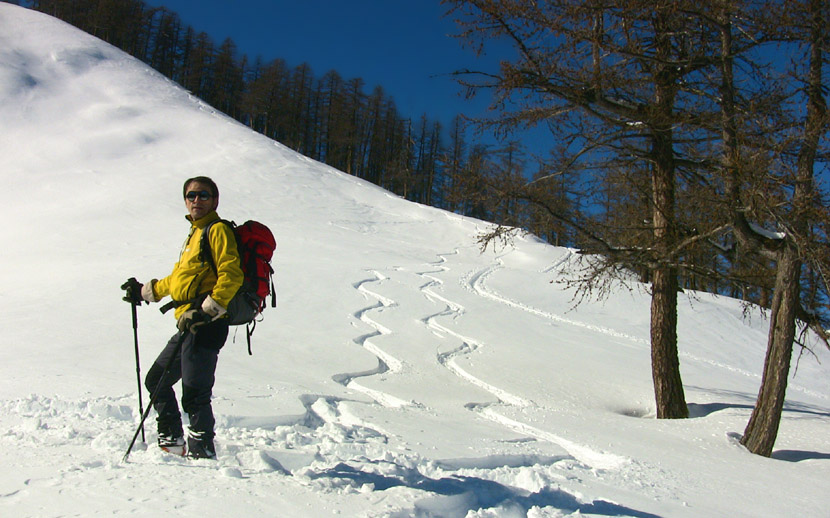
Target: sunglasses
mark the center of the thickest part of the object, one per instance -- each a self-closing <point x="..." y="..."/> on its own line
<point x="202" y="195"/>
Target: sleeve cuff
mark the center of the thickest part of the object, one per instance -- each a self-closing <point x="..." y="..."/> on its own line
<point x="147" y="292"/>
<point x="213" y="308"/>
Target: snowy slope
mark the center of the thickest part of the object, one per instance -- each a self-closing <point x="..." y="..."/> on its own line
<point x="403" y="374"/>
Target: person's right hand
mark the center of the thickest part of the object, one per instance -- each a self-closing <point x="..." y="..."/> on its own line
<point x="191" y="320"/>
<point x="132" y="289"/>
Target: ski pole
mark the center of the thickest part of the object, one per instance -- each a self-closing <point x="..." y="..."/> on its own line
<point x="133" y="289"/>
<point x="138" y="368"/>
<point x="155" y="393"/>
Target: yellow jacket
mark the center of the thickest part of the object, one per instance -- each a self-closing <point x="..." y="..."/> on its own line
<point x="192" y="277"/>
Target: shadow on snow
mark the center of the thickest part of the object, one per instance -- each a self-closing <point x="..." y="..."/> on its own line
<point x="457" y="495"/>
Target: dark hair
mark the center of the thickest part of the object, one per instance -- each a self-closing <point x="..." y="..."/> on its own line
<point x="201" y="179"/>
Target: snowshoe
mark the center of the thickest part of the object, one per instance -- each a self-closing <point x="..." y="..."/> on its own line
<point x="200" y="446"/>
<point x="174" y="445"/>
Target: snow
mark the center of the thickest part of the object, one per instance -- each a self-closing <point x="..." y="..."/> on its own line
<point x="766" y="233"/>
<point x="404" y="373"/>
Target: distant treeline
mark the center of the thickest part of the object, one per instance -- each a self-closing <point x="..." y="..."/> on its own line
<point x="329" y="118"/>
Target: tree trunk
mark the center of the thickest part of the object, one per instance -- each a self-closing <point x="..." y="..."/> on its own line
<point x="665" y="364"/>
<point x="762" y="429"/>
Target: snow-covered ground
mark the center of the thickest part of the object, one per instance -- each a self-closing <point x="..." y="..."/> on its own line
<point x="404" y="373"/>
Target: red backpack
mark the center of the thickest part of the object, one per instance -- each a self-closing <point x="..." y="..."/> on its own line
<point x="256" y="245"/>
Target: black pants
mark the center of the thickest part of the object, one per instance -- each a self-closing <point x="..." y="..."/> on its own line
<point x="195" y="365"/>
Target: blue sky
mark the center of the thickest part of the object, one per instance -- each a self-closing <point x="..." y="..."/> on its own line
<point x="402" y="45"/>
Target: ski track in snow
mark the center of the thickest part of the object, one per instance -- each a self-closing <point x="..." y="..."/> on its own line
<point x="386" y="362"/>
<point x="454" y="310"/>
<point x="477" y="282"/>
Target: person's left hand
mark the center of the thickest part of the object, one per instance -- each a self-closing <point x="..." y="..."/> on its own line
<point x="212" y="308"/>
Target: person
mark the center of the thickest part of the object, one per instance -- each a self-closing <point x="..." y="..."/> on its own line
<point x="201" y="294"/>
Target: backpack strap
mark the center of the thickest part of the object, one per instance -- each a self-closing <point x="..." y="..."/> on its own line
<point x="249" y="330"/>
<point x="206" y="256"/>
<point x="205" y="252"/>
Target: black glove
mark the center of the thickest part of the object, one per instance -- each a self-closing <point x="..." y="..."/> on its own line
<point x="133" y="291"/>
<point x="192" y="319"/>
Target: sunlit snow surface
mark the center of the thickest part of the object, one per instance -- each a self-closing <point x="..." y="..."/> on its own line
<point x="404" y="373"/>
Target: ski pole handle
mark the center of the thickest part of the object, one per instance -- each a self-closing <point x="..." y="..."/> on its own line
<point x="133" y="291"/>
